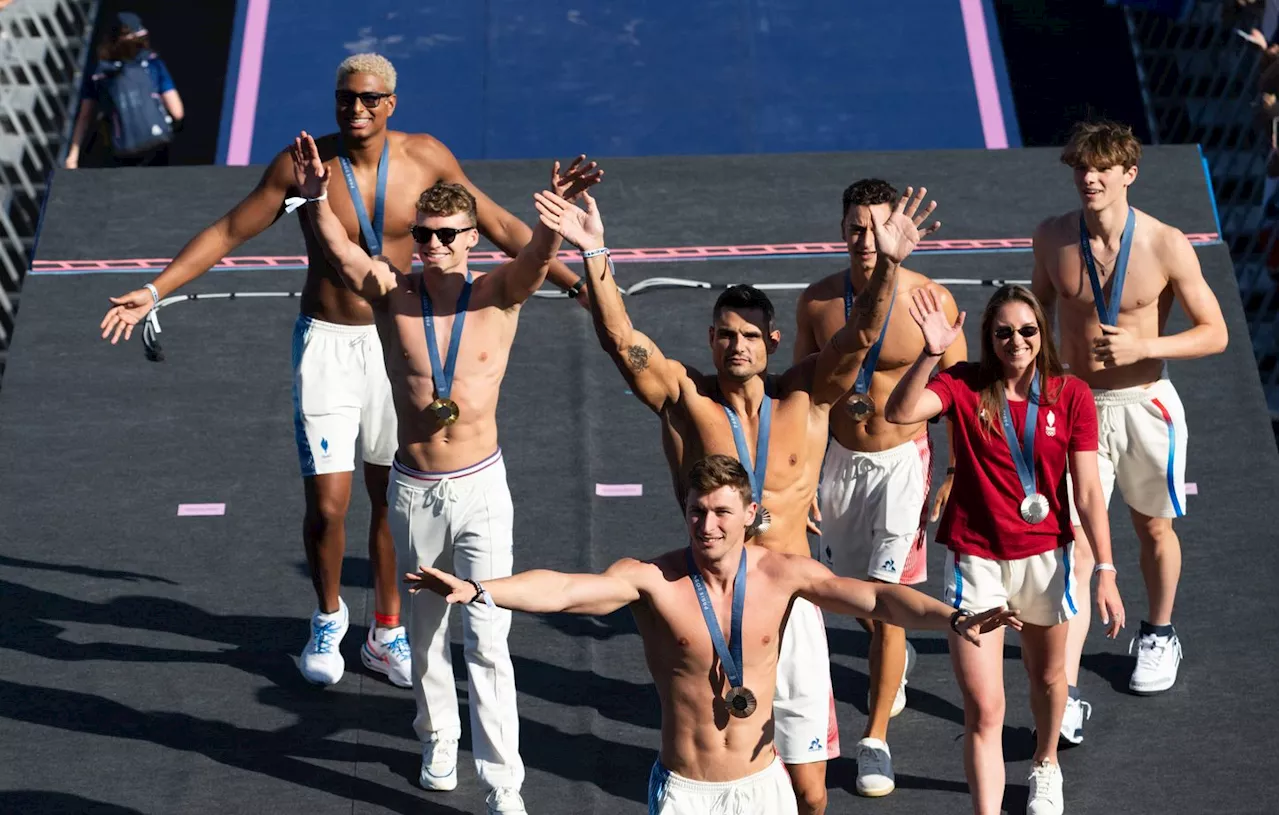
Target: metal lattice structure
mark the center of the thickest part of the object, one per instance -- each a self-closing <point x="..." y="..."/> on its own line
<point x="1201" y="85"/>
<point x="42" y="51"/>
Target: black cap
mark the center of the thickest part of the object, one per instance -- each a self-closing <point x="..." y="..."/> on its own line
<point x="127" y="20"/>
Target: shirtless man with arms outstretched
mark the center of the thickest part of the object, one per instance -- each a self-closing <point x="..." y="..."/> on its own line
<point x="876" y="475"/>
<point x="777" y="427"/>
<point x="1145" y="265"/>
<point x="711" y="615"/>
<point x="447" y="333"/>
<point x="340" y="385"/>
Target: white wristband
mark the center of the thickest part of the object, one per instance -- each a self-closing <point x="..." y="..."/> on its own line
<point x="590" y="253"/>
<point x="291" y="204"/>
<point x="155" y="295"/>
<point x="1104" y="567"/>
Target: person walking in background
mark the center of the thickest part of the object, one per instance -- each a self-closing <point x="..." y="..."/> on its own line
<point x="132" y="89"/>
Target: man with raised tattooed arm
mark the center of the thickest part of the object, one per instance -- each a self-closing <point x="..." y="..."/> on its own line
<point x="447" y="335"/>
<point x="875" y="475"/>
<point x="777" y="428"/>
<point x="710" y="615"/>
<point x="1112" y="273"/>
<point x="340" y="385"/>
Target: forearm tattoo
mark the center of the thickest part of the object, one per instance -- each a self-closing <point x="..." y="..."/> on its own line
<point x="637" y="357"/>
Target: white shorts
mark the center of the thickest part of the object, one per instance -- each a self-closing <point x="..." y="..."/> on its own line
<point x="1142" y="448"/>
<point x="804" y="707"/>
<point x="874" y="511"/>
<point x="1040" y="587"/>
<point x="340" y="388"/>
<point x="767" y="792"/>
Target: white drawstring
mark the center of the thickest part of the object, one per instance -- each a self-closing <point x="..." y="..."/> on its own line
<point x="441" y="492"/>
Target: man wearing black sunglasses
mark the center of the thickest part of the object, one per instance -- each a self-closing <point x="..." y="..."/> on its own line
<point x="448" y="333"/>
<point x="340" y="386"/>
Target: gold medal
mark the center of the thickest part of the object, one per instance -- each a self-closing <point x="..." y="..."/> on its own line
<point x="445" y="411"/>
<point x="860" y="406"/>
<point x="741" y="702"/>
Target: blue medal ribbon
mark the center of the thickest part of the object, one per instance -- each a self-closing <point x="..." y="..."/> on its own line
<point x="863" y="383"/>
<point x="443" y="375"/>
<point x="1024" y="455"/>
<point x="372" y="231"/>
<point x="730" y="655"/>
<point x="1108" y="313"/>
<point x="756" y="471"/>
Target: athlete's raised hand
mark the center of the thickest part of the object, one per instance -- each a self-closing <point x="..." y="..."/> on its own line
<point x="897" y="237"/>
<point x="577" y="179"/>
<point x="309" y="173"/>
<point x="126" y="311"/>
<point x="939" y="332"/>
<point x="583" y="228"/>
<point x="452" y="589"/>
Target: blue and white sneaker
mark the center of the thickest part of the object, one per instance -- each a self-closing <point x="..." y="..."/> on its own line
<point x="321" y="660"/>
<point x="386" y="651"/>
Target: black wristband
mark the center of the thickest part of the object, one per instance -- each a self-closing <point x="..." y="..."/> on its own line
<point x="957" y="616"/>
<point x="479" y="591"/>
<point x="576" y="289"/>
<point x="951" y="471"/>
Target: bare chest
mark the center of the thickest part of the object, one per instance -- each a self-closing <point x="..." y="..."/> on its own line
<point x="689" y="647"/>
<point x="405" y="182"/>
<point x="478" y="341"/>
<point x="902" y="338"/>
<point x="706" y="430"/>
<point x="1143" y="284"/>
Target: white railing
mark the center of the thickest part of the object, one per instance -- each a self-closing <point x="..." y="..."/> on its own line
<point x="43" y="46"/>
<point x="1201" y="85"/>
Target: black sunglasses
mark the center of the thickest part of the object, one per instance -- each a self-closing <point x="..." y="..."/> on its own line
<point x="446" y="234"/>
<point x="370" y="100"/>
<point x="1004" y="332"/>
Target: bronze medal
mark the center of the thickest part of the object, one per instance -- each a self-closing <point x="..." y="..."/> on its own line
<point x="741" y="702"/>
<point x="860" y="406"/>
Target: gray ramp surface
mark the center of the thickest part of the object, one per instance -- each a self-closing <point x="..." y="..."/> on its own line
<point x="147" y="664"/>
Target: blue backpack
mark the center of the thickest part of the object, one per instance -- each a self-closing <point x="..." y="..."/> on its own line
<point x="127" y="94"/>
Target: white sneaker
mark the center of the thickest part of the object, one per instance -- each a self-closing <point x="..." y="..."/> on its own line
<point x="875" y="768"/>
<point x="386" y="650"/>
<point x="1045" y="794"/>
<point x="321" y="660"/>
<point x="1073" y="720"/>
<point x="505" y="801"/>
<point x="439" y="765"/>
<point x="900" y="699"/>
<point x="1158" y="660"/>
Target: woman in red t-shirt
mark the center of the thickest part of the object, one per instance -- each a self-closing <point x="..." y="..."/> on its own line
<point x="1007" y="526"/>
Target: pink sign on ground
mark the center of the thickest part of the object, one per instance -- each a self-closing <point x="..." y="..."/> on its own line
<point x="202" y="509"/>
<point x="620" y="490"/>
<point x="1192" y="489"/>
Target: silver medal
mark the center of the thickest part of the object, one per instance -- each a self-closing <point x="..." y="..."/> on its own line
<point x="1034" y="508"/>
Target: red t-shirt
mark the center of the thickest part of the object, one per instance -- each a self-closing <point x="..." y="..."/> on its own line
<point x="982" y="515"/>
